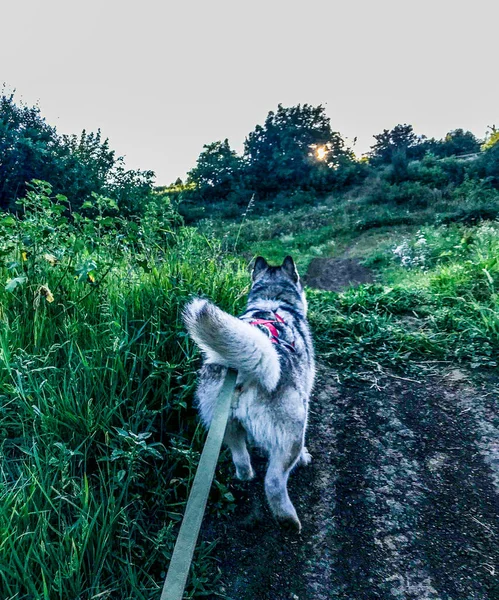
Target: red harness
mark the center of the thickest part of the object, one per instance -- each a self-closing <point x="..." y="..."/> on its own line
<point x="268" y="326"/>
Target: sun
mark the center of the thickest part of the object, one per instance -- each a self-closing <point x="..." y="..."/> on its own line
<point x="321" y="152"/>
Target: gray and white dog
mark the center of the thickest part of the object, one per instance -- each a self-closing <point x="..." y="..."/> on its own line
<point x="271" y="348"/>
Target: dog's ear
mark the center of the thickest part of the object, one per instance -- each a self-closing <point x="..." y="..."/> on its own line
<point x="289" y="267"/>
<point x="259" y="267"/>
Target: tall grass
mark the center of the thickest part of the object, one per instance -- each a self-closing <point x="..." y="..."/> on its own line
<point x="99" y="439"/>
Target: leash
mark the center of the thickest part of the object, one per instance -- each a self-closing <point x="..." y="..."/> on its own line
<point x="180" y="562"/>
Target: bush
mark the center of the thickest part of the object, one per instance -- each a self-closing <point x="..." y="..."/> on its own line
<point x="476" y="201"/>
<point x="428" y="172"/>
<point x="413" y="194"/>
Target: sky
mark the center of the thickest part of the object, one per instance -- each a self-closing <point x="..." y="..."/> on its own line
<point x="162" y="78"/>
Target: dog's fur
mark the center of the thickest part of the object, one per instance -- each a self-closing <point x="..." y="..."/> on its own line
<point x="274" y="380"/>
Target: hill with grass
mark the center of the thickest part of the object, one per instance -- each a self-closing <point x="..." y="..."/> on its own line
<point x="401" y="498"/>
<point x="100" y="440"/>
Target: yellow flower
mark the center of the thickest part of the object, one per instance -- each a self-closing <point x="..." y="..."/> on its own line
<point x="91" y="278"/>
<point x="24" y="255"/>
<point x="46" y="293"/>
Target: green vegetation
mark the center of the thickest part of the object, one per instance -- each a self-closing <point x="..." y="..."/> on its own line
<point x="99" y="437"/>
<point x="75" y="165"/>
<point x="436" y="300"/>
<point x="296" y="159"/>
<point x="99" y="440"/>
<point x="436" y="292"/>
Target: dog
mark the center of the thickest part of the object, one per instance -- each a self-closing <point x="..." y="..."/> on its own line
<point x="271" y="348"/>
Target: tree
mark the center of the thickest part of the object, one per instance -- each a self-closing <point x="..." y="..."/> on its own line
<point x="492" y="138"/>
<point x="490" y="156"/>
<point x="76" y="166"/>
<point x="27" y="145"/>
<point x="294" y="148"/>
<point x="458" y="142"/>
<point x="394" y="145"/>
<point x="217" y="171"/>
<point x="87" y="164"/>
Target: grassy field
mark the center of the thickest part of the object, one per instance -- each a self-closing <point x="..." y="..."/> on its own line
<point x="99" y="438"/>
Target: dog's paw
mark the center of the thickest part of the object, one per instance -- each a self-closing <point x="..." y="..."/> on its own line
<point x="305" y="457"/>
<point x="290" y="523"/>
<point x="245" y="473"/>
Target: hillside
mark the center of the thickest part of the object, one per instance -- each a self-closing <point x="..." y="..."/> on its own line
<point x="401" y="499"/>
<point x="101" y="442"/>
<point x="99" y="437"/>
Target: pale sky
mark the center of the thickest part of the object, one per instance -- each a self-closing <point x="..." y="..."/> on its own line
<point x="163" y="78"/>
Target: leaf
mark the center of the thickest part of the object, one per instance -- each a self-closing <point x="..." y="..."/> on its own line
<point x="79" y="245"/>
<point x="488" y="275"/>
<point x="50" y="258"/>
<point x="174" y="516"/>
<point x="116" y="454"/>
<point x="13" y="283"/>
<point x="122" y="432"/>
<point x="8" y="221"/>
<point x="82" y="270"/>
<point x="154" y="452"/>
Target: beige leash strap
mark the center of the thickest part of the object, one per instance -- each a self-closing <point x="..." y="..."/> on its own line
<point x="180" y="563"/>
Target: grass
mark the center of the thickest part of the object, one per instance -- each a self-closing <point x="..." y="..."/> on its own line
<point x="437" y="298"/>
<point x="436" y="295"/>
<point x="353" y="221"/>
<point x="99" y="438"/>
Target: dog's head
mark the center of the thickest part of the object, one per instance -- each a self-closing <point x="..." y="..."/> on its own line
<point x="278" y="283"/>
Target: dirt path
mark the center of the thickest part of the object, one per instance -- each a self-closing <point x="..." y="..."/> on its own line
<point x="336" y="274"/>
<point x="401" y="500"/>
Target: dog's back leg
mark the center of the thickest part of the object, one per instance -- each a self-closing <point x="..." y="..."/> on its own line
<point x="280" y="464"/>
<point x="235" y="438"/>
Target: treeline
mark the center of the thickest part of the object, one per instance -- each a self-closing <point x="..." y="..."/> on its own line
<point x="296" y="155"/>
<point x="293" y="158"/>
<point x="75" y="165"/>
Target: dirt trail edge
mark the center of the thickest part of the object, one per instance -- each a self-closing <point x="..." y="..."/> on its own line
<point x="401" y="500"/>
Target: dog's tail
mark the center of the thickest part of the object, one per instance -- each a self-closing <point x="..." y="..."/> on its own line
<point x="233" y="343"/>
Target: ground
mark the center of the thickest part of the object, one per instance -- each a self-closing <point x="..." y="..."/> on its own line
<point x="335" y="274"/>
<point x="400" y="501"/>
